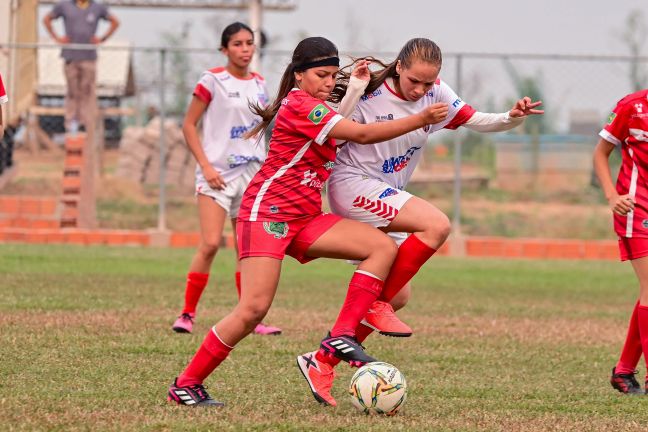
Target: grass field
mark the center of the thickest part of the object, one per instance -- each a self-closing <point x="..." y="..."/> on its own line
<point x="498" y="345"/>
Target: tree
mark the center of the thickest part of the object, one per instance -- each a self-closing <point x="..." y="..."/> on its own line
<point x="529" y="86"/>
<point x="634" y="38"/>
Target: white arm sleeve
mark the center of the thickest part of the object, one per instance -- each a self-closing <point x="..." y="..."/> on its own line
<point x="492" y="122"/>
<point x="350" y="100"/>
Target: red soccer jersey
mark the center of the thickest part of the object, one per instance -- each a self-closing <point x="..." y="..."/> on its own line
<point x="288" y="185"/>
<point x="628" y="127"/>
<point x="3" y="93"/>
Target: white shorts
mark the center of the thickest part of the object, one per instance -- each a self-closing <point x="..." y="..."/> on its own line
<point x="367" y="200"/>
<point x="230" y="197"/>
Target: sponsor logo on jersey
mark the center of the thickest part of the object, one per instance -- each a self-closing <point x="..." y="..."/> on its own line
<point x="318" y="113"/>
<point x="234" y="94"/>
<point x="237" y="132"/>
<point x="644" y="223"/>
<point x="385" y="117"/>
<point x="456" y="103"/>
<point x="371" y="95"/>
<point x="611" y="118"/>
<point x="274" y="209"/>
<point x="277" y="229"/>
<point x="396" y="164"/>
<point x="328" y="166"/>
<point x="638" y="107"/>
<point x="427" y="128"/>
<point x="430" y="94"/>
<point x="263" y="99"/>
<point x="224" y="77"/>
<point x="235" y="160"/>
<point x="388" y="192"/>
<point x="311" y="180"/>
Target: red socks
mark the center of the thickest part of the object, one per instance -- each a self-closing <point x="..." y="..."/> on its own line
<point x="364" y="288"/>
<point x="196" y="283"/>
<point x="642" y="321"/>
<point x="632" y="347"/>
<point x="412" y="254"/>
<point x="210" y="354"/>
<point x="237" y="276"/>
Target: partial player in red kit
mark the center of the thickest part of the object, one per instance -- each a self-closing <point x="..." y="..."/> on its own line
<point x="226" y="160"/>
<point x="281" y="214"/>
<point x="627" y="129"/>
<point x="3" y="100"/>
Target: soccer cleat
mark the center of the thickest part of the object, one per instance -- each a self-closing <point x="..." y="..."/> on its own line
<point x="381" y="317"/>
<point x="319" y="377"/>
<point x="194" y="395"/>
<point x="264" y="329"/>
<point x="184" y="323"/>
<point x="346" y="348"/>
<point x="625" y="383"/>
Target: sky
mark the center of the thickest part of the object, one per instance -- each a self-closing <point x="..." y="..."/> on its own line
<point x="381" y="27"/>
<point x="501" y="26"/>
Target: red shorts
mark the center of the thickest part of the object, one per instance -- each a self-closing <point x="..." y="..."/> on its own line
<point x="633" y="248"/>
<point x="276" y="239"/>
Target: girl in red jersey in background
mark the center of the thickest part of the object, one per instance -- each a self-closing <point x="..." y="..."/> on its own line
<point x="367" y="183"/>
<point x="227" y="160"/>
<point x="281" y="213"/>
<point x="628" y="128"/>
<point x="3" y="100"/>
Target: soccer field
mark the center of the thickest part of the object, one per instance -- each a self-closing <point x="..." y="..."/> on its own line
<point x="499" y="345"/>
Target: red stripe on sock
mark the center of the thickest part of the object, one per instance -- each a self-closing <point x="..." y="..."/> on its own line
<point x="363" y="291"/>
<point x="632" y="350"/>
<point x="412" y="254"/>
<point x="196" y="283"/>
<point x="211" y="353"/>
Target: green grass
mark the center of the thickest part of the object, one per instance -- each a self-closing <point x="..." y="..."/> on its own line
<point x="498" y="345"/>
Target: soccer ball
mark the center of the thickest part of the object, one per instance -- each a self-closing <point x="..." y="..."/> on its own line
<point x="378" y="388"/>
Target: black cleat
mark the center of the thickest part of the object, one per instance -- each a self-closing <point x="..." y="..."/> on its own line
<point x="626" y="383"/>
<point x="346" y="348"/>
<point x="194" y="395"/>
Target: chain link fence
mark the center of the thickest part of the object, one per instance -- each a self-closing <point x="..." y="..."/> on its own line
<point x="143" y="92"/>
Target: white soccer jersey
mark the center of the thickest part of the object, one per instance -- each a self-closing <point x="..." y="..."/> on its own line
<point x="227" y="118"/>
<point x="394" y="161"/>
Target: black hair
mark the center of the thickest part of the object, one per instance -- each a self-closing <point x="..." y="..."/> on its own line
<point x="308" y="50"/>
<point x="231" y="30"/>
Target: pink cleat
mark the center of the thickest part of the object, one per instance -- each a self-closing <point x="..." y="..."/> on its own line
<point x="267" y="330"/>
<point x="184" y="323"/>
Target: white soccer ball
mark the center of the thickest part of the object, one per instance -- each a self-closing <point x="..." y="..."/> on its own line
<point x="378" y="388"/>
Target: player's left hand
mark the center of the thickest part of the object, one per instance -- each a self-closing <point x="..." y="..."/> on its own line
<point x="525" y="107"/>
<point x="95" y="40"/>
<point x="361" y="70"/>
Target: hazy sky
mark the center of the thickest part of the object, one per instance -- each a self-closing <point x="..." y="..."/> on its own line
<point x="474" y="26"/>
<point x="502" y="26"/>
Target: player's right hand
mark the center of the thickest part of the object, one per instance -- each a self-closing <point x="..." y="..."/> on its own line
<point x="435" y="113"/>
<point x="213" y="178"/>
<point x="63" y="40"/>
<point x="622" y="204"/>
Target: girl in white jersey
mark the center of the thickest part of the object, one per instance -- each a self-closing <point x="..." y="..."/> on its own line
<point x="226" y="160"/>
<point x="367" y="182"/>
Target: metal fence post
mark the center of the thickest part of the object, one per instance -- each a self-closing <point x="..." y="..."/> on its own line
<point x="458" y="245"/>
<point x="162" y="197"/>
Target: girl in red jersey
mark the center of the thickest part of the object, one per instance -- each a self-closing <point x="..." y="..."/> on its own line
<point x="3" y="100"/>
<point x="281" y="214"/>
<point x="628" y="128"/>
<point x="227" y="160"/>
